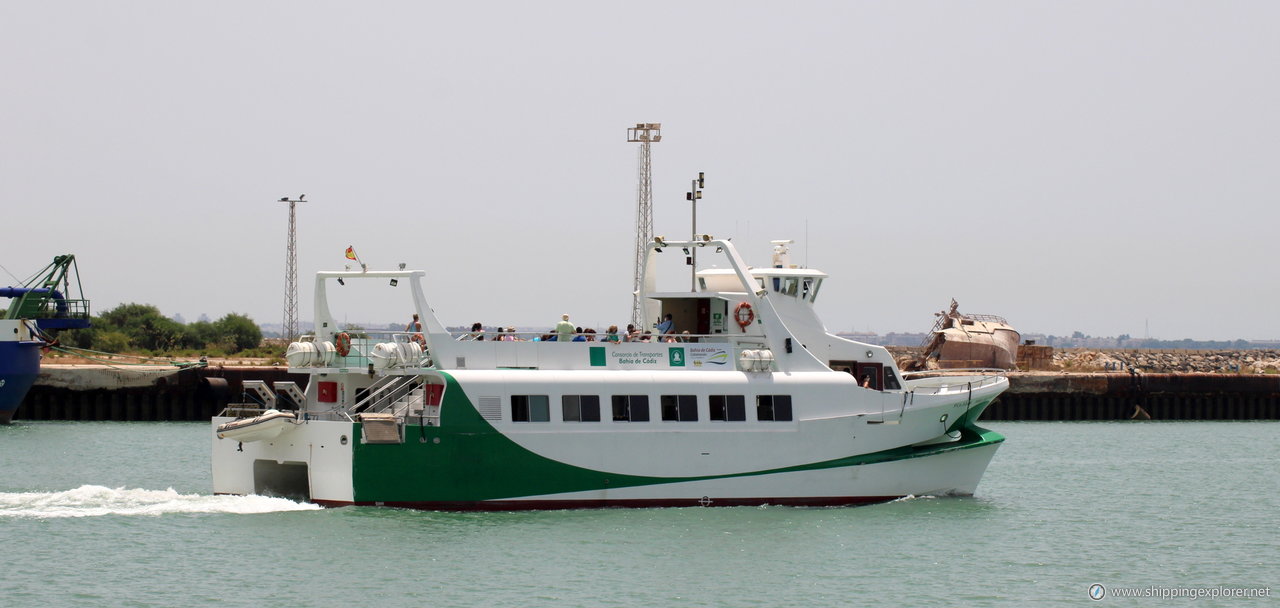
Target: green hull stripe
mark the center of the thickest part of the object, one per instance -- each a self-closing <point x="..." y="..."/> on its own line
<point x="472" y="461"/>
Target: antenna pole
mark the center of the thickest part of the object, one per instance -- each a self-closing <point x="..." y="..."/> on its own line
<point x="692" y="196"/>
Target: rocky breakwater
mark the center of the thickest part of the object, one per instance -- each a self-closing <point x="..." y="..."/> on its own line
<point x="1252" y="362"/>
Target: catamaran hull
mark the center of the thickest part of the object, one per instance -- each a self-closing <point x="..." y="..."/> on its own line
<point x="329" y="472"/>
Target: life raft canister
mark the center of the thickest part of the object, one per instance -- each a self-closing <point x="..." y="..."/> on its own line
<point x="744" y="315"/>
<point x="342" y="344"/>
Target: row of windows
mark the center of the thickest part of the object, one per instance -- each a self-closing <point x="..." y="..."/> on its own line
<point x="635" y="408"/>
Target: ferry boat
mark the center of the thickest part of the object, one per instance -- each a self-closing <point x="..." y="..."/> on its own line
<point x="37" y="309"/>
<point x="757" y="404"/>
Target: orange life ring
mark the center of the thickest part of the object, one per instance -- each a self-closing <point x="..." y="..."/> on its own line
<point x="342" y="343"/>
<point x="744" y="315"/>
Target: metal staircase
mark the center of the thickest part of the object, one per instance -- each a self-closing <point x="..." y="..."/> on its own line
<point x="390" y="395"/>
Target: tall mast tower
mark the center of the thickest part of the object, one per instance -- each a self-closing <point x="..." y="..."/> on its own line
<point x="643" y="133"/>
<point x="291" y="272"/>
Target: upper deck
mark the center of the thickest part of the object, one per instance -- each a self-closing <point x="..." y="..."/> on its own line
<point x="740" y="319"/>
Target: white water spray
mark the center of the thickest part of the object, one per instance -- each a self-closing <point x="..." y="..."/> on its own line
<point x="95" y="501"/>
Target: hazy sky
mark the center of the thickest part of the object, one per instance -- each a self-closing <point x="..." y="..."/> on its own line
<point x="1091" y="166"/>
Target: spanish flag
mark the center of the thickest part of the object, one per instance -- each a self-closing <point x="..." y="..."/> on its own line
<point x="351" y="253"/>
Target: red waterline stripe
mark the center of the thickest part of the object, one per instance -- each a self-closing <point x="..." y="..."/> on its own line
<point x="637" y="503"/>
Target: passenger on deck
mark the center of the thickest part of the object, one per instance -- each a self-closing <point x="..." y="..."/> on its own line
<point x="685" y="337"/>
<point x="578" y="336"/>
<point x="611" y="335"/>
<point x="591" y="334"/>
<point x="477" y="332"/>
<point x="667" y="326"/>
<point x="633" y="334"/>
<point x="564" y="329"/>
<point x="647" y="337"/>
<point x="866" y="381"/>
<point x="511" y="332"/>
<point x="414" y="325"/>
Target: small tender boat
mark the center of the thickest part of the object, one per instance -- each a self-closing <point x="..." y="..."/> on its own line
<point x="269" y="425"/>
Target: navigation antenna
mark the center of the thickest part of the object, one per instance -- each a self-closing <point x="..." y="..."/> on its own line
<point x="290" y="331"/>
<point x="643" y="133"/>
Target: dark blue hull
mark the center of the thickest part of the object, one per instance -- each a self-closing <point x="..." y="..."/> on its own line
<point x="19" y="366"/>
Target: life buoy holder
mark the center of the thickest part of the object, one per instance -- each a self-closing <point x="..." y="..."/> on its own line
<point x="342" y="343"/>
<point x="744" y="315"/>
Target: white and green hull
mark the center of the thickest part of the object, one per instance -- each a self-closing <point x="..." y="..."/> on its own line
<point x="467" y="461"/>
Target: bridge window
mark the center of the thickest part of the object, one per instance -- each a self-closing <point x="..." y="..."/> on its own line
<point x="728" y="408"/>
<point x="630" y="408"/>
<point x="530" y="408"/>
<point x="580" y="408"/>
<point x="773" y="408"/>
<point x="679" y="408"/>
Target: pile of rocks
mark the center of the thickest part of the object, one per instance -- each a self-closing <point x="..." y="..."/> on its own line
<point x="1169" y="361"/>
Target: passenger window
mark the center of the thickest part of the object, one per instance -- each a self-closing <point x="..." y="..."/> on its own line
<point x="630" y="408"/>
<point x="776" y="408"/>
<point x="580" y="408"/>
<point x="679" y="408"/>
<point x="530" y="408"/>
<point x="728" y="408"/>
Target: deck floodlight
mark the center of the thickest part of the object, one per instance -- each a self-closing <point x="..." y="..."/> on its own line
<point x="341" y="282"/>
<point x="394" y="282"/>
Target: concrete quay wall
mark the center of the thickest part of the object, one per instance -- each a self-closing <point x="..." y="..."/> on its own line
<point x="91" y="393"/>
<point x="1124" y="396"/>
<point x="85" y="393"/>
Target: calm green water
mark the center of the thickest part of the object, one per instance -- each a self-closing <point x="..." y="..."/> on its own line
<point x="119" y="514"/>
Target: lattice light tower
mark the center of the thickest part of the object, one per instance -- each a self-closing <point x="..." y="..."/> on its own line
<point x="644" y="133"/>
<point x="291" y="272"/>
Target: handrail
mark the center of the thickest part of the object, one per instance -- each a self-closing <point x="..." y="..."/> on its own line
<point x="942" y="373"/>
<point x="392" y="389"/>
<point x="964" y="382"/>
<point x="536" y="336"/>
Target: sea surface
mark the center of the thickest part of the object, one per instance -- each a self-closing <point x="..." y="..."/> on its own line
<point x="120" y="514"/>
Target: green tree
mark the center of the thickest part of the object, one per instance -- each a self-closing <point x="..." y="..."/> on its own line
<point x="240" y="331"/>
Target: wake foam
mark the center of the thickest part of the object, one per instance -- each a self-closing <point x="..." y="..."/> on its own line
<point x="909" y="497"/>
<point x="95" y="501"/>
